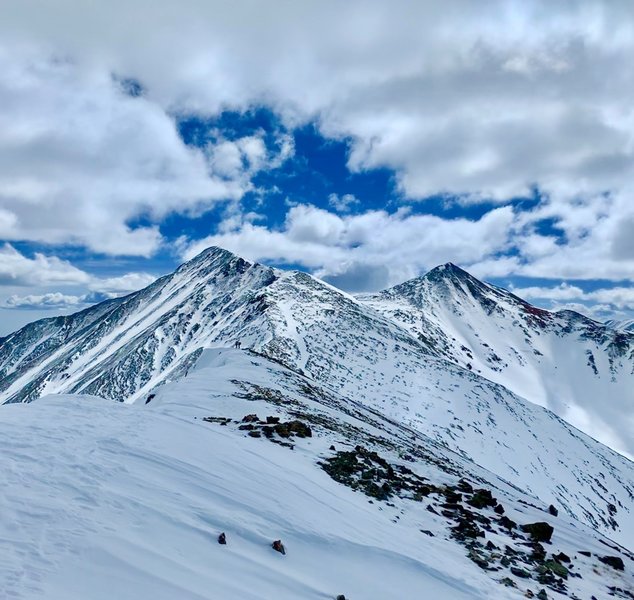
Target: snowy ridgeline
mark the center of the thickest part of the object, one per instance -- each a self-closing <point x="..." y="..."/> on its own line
<point x="105" y="500"/>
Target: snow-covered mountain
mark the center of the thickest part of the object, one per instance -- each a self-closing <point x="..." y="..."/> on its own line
<point x="106" y="500"/>
<point x="398" y="353"/>
<point x="578" y="368"/>
<point x="623" y="325"/>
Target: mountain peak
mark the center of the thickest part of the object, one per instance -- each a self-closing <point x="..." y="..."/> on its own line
<point x="449" y="269"/>
<point x="213" y="253"/>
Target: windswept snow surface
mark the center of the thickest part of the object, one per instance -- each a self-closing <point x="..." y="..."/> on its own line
<point x="106" y="500"/>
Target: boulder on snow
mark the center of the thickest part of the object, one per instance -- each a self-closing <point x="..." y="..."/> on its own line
<point x="278" y="546"/>
<point x="222" y="539"/>
<point x="540" y="531"/>
<point x="553" y="511"/>
<point x="613" y="561"/>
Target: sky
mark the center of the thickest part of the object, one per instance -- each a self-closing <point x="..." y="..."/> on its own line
<point x="365" y="142"/>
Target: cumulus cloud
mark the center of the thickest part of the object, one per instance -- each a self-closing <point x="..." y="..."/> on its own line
<point x="53" y="300"/>
<point x="42" y="271"/>
<point x="81" y="159"/>
<point x="388" y="248"/>
<point x="17" y="269"/>
<point x="483" y="101"/>
<point x="343" y="203"/>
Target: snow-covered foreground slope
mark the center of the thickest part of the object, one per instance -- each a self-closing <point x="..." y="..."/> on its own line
<point x="580" y="369"/>
<point x="108" y="500"/>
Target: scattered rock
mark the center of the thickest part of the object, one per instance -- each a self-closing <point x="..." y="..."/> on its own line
<point x="561" y="557"/>
<point x="520" y="572"/>
<point x="278" y="546"/>
<point x="542" y="595"/>
<point x="613" y="561"/>
<point x="529" y="594"/>
<point x="538" y="552"/>
<point x="508" y="582"/>
<point x="250" y="418"/>
<point x="557" y="568"/>
<point x="255" y="434"/>
<point x="222" y="539"/>
<point x="272" y="420"/>
<point x="499" y="509"/>
<point x="482" y="499"/>
<point x="427" y="532"/>
<point x="465" y="486"/>
<point x="553" y="511"/>
<point x="540" y="531"/>
<point x="507" y="523"/>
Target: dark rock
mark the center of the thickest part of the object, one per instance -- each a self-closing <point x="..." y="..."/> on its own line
<point x="507" y="523"/>
<point x="272" y="420"/>
<point x="499" y="509"/>
<point x="255" y="434"/>
<point x="332" y="447"/>
<point x="557" y="568"/>
<point x="482" y="499"/>
<point x="553" y="511"/>
<point x="538" y="553"/>
<point x="452" y="497"/>
<point x="222" y="539"/>
<point x="508" y="582"/>
<point x="585" y="552"/>
<point x="278" y="546"/>
<point x="247" y="427"/>
<point x="491" y="546"/>
<point x="250" y="418"/>
<point x="465" y="486"/>
<point x="540" y="531"/>
<point x="341" y="597"/>
<point x="529" y="594"/>
<point x="466" y="529"/>
<point x="613" y="561"/>
<point x="542" y="595"/>
<point x="478" y="559"/>
<point x="520" y="572"/>
<point x="427" y="532"/>
<point x="561" y="557"/>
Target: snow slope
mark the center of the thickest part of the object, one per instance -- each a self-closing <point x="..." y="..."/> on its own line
<point x="106" y="500"/>
<point x="580" y="369"/>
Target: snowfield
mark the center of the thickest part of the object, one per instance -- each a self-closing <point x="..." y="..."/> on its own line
<point x="106" y="500"/>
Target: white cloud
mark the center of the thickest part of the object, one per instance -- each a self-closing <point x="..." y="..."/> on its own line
<point x="17" y="269"/>
<point x="480" y="100"/>
<point x="388" y="248"/>
<point x="53" y="300"/>
<point x="483" y="100"/>
<point x="41" y="271"/>
<point x="80" y="159"/>
<point x="343" y="203"/>
<point x="115" y="286"/>
<point x="615" y="297"/>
